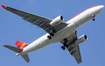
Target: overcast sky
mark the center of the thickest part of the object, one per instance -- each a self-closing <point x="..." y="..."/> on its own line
<point x="13" y="28"/>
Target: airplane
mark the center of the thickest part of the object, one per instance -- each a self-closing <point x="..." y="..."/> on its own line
<point x="57" y="31"/>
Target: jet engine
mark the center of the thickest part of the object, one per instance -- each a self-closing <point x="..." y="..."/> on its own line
<point x="81" y="39"/>
<point x="56" y="21"/>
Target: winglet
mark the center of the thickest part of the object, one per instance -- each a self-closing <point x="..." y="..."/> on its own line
<point x="3" y="6"/>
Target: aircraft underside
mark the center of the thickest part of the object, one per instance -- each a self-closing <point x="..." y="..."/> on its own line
<point x="57" y="31"/>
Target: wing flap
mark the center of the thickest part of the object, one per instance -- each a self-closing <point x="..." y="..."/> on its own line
<point x="76" y="53"/>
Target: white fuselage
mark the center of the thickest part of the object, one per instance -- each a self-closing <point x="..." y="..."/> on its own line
<point x="73" y="24"/>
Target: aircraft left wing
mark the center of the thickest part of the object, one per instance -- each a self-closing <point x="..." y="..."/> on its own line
<point x="39" y="21"/>
<point x="72" y="48"/>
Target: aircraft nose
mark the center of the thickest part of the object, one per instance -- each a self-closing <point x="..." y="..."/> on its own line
<point x="101" y="7"/>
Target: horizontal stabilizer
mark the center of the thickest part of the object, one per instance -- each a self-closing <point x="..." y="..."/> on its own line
<point x="13" y="48"/>
<point x="26" y="57"/>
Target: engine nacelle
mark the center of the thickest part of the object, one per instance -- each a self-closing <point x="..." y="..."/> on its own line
<point x="81" y="39"/>
<point x="56" y="21"/>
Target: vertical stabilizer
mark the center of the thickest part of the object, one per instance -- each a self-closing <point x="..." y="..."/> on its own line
<point x="20" y="44"/>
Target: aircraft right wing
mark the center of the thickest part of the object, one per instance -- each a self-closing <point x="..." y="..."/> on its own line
<point x="39" y="21"/>
<point x="72" y="48"/>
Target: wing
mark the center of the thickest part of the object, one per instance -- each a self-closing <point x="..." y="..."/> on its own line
<point x="39" y="21"/>
<point x="72" y="48"/>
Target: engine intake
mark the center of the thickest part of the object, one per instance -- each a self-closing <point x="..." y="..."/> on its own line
<point x="81" y="39"/>
<point x="56" y="21"/>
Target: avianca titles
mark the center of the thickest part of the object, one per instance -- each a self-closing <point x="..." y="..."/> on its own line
<point x="57" y="31"/>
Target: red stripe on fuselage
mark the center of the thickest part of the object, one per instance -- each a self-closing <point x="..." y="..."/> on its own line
<point x="81" y="13"/>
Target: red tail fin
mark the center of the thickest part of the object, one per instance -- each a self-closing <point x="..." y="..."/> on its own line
<point x="20" y="44"/>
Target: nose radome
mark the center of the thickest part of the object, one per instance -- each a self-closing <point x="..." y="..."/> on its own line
<point x="101" y="7"/>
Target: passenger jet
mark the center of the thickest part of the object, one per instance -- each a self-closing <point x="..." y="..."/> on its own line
<point x="57" y="31"/>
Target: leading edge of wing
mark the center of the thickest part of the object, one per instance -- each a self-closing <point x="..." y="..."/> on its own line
<point x="21" y="13"/>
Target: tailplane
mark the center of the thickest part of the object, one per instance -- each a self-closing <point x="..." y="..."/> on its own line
<point x="19" y="47"/>
<point x="15" y="49"/>
<point x="26" y="57"/>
